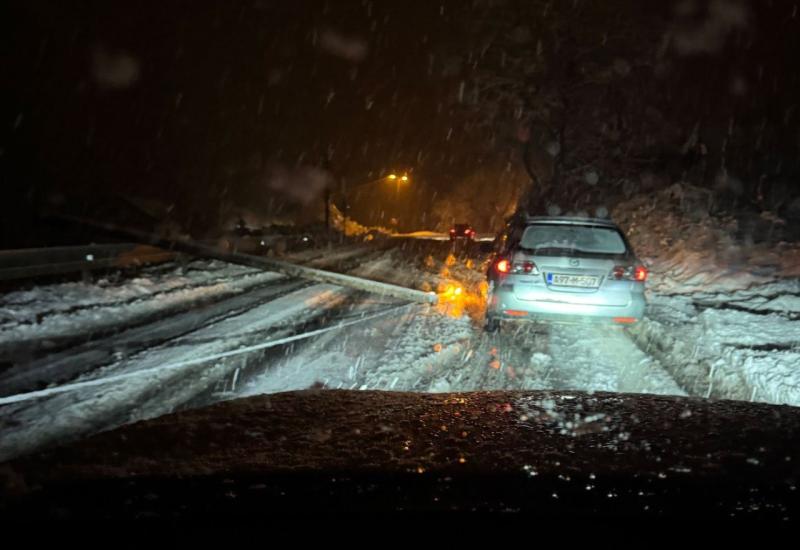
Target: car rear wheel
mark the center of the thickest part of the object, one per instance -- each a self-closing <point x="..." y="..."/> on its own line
<point x="492" y="324"/>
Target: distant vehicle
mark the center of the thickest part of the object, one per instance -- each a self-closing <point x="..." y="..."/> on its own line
<point x="462" y="231"/>
<point x="245" y="240"/>
<point x="266" y="241"/>
<point x="564" y="269"/>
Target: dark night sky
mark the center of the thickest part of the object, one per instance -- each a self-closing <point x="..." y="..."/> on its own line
<point x="196" y="102"/>
<point x="221" y="90"/>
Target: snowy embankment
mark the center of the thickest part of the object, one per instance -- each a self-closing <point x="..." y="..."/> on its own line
<point x="77" y="308"/>
<point x="724" y="314"/>
<point x="726" y="352"/>
<point x="688" y="251"/>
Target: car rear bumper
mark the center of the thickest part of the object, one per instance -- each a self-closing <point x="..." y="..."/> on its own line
<point x="506" y="306"/>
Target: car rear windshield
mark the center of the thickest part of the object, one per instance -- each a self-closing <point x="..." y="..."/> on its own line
<point x="574" y="238"/>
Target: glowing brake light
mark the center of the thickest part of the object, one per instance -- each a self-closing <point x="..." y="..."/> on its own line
<point x="524" y="267"/>
<point x="630" y="273"/>
<point x="527" y="267"/>
<point x="625" y="320"/>
<point x="506" y="266"/>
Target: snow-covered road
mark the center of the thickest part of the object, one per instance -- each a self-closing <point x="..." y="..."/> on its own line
<point x="425" y="351"/>
<point x="159" y="322"/>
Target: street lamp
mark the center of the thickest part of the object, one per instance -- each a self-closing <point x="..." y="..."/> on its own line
<point x="391" y="177"/>
<point x="398" y="179"/>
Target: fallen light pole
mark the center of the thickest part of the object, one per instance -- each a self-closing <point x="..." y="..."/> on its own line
<point x="195" y="248"/>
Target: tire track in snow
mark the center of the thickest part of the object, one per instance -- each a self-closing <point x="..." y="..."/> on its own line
<point x="31" y="426"/>
<point x="601" y="358"/>
<point x="63" y="366"/>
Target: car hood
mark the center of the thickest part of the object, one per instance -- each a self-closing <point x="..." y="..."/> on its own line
<point x="553" y="453"/>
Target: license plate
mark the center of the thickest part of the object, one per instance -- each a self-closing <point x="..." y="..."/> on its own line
<point x="583" y="281"/>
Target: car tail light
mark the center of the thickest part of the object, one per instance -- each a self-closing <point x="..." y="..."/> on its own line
<point x="516" y="312"/>
<point x="625" y="320"/>
<point x="506" y="266"/>
<point x="629" y="273"/>
<point x="525" y="267"/>
<point x="528" y="267"/>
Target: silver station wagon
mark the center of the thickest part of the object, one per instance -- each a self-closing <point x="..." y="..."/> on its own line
<point x="564" y="269"/>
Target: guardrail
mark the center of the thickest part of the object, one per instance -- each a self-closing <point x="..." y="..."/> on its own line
<point x="206" y="249"/>
<point x="36" y="262"/>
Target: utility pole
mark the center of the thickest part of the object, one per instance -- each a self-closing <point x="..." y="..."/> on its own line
<point x="345" y="208"/>
<point x="326" y="164"/>
<point x="327" y="200"/>
<point x="197" y="248"/>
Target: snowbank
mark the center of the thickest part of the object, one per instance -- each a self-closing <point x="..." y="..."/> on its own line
<point x="742" y="344"/>
<point x="689" y="251"/>
<point x="724" y="310"/>
<point x="76" y="308"/>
